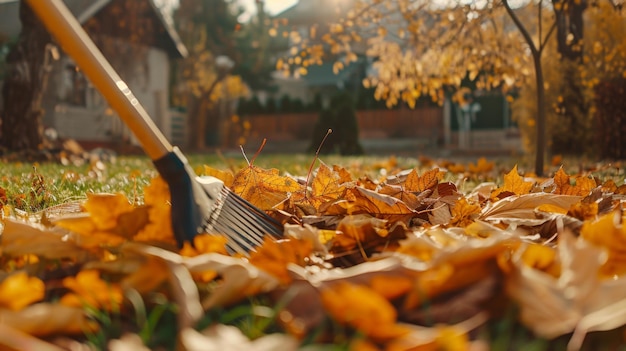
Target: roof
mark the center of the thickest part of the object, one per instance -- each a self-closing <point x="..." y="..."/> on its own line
<point x="308" y="12"/>
<point x="84" y="10"/>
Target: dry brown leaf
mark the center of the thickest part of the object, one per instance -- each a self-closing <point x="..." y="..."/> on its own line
<point x="13" y="339"/>
<point x="578" y="299"/>
<point x="520" y="210"/>
<point x="44" y="319"/>
<point x="363" y="201"/>
<point x="428" y="180"/>
<point x="239" y="278"/>
<point x="22" y="238"/>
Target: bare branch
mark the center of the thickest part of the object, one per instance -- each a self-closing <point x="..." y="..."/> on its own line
<point x="533" y="48"/>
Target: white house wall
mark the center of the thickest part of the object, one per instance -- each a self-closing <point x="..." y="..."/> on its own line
<point x="100" y="124"/>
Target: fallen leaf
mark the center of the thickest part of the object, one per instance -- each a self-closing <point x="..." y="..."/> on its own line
<point x="428" y="180"/>
<point x="45" y="319"/>
<point x="14" y="339"/>
<point x="583" y="185"/>
<point x="89" y="290"/>
<point x="239" y="278"/>
<point x="221" y="337"/>
<point x="19" y="290"/>
<point x="363" y="309"/>
<point x="463" y="213"/>
<point x="227" y="177"/>
<point x="513" y="183"/>
<point x="577" y="300"/>
<point x="263" y="188"/>
<point x="274" y="256"/>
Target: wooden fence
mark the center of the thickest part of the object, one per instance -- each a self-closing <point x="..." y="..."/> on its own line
<point x="373" y="124"/>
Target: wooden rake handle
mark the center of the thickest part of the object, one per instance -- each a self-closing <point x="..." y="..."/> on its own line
<point x="75" y="42"/>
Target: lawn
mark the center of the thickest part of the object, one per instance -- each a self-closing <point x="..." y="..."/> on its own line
<point x="385" y="253"/>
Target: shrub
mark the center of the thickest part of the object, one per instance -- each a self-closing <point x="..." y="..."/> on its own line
<point x="341" y="118"/>
<point x="610" y="116"/>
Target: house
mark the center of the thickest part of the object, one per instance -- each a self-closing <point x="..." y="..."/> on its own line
<point x="140" y="43"/>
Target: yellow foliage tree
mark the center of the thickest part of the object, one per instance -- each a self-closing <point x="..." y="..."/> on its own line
<point x="425" y="48"/>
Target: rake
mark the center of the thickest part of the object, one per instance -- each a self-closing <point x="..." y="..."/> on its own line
<point x="199" y="204"/>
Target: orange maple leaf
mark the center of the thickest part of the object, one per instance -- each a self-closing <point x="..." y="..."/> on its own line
<point x="359" y="200"/>
<point x="582" y="187"/>
<point x="264" y="188"/>
<point x="325" y="187"/>
<point x="274" y="256"/>
<point x="416" y="183"/>
<point x="464" y="213"/>
<point x="513" y="183"/>
<point x="481" y="166"/>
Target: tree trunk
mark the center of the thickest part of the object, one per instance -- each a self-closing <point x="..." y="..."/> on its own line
<point x="569" y="28"/>
<point x="573" y="109"/>
<point x="198" y="114"/>
<point x="29" y="67"/>
<point x="541" y="116"/>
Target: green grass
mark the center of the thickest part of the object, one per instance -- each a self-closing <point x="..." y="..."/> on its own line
<point x="33" y="187"/>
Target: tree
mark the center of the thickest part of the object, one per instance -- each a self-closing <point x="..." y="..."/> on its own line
<point x="211" y="29"/>
<point x="29" y="62"/>
<point x="421" y="48"/>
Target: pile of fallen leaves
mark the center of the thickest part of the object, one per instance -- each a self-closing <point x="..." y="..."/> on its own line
<point x="406" y="261"/>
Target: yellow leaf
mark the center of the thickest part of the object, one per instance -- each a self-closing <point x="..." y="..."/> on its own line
<point x="543" y="258"/>
<point x="263" y="188"/>
<point x="224" y="176"/>
<point x="363" y="309"/>
<point x="159" y="227"/>
<point x="105" y="209"/>
<point x="609" y="233"/>
<point x="464" y="213"/>
<point x="205" y="243"/>
<point x="451" y="339"/>
<point x="481" y="166"/>
<point x="391" y="287"/>
<point x="88" y="289"/>
<point x="514" y="183"/>
<point x="19" y="290"/>
<point x="551" y="209"/>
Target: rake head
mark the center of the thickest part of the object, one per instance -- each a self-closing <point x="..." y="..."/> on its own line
<point x="206" y="205"/>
